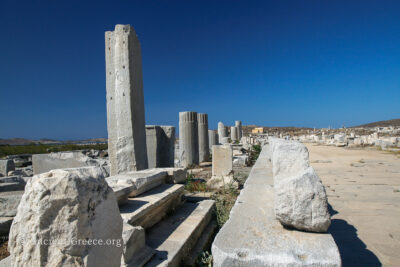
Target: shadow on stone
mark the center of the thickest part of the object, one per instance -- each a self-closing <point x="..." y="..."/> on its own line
<point x="331" y="210"/>
<point x="131" y="205"/>
<point x="167" y="227"/>
<point x="352" y="250"/>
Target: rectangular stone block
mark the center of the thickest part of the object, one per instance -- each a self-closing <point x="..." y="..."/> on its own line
<point x="176" y="175"/>
<point x="222" y="161"/>
<point x="45" y="162"/>
<point x="135" y="183"/>
<point x="160" y="145"/>
<point x="6" y="165"/>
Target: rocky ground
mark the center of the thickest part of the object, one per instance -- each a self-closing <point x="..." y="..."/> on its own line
<point x="363" y="188"/>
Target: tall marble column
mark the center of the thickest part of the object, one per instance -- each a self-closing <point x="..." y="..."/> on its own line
<point x="212" y="138"/>
<point x="234" y="132"/>
<point x="238" y="125"/>
<point x="204" y="152"/>
<point x="125" y="101"/>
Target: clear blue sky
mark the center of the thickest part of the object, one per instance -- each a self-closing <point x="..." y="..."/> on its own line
<point x="271" y="63"/>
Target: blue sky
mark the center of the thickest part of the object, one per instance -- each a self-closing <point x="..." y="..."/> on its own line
<point x="271" y="63"/>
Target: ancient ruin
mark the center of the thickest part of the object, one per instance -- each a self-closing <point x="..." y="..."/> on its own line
<point x="220" y="195"/>
<point x="125" y="101"/>
<point x="188" y="138"/>
<point x="204" y="151"/>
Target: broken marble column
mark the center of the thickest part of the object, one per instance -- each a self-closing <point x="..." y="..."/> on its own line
<point x="221" y="132"/>
<point x="212" y="138"/>
<point x="125" y="101"/>
<point x="67" y="217"/>
<point x="204" y="151"/>
<point x="188" y="138"/>
<point x="238" y="125"/>
<point x="234" y="132"/>
<point x="160" y="141"/>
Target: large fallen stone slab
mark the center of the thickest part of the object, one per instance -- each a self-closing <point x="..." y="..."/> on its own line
<point x="45" y="162"/>
<point x="67" y="217"/>
<point x="301" y="202"/>
<point x="134" y="183"/>
<point x="175" y="237"/>
<point x="253" y="237"/>
<point x="149" y="208"/>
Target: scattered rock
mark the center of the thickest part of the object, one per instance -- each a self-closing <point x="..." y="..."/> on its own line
<point x="72" y="210"/>
<point x="301" y="202"/>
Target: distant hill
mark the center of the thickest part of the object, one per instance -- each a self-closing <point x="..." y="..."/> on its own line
<point x="15" y="141"/>
<point x="247" y="129"/>
<point x="394" y="122"/>
<point x="23" y="141"/>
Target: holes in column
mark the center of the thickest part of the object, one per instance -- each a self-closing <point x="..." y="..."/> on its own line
<point x="109" y="73"/>
<point x="123" y="66"/>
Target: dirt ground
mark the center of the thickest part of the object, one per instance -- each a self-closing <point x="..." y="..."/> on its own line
<point x="363" y="188"/>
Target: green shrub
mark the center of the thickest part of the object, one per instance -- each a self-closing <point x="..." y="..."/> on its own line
<point x="6" y="150"/>
<point x="254" y="153"/>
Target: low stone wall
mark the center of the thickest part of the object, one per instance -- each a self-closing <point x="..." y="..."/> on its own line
<point x="253" y="237"/>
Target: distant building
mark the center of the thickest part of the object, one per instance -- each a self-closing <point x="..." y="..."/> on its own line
<point x="257" y="130"/>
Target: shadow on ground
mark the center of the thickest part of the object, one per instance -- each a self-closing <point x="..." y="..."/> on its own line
<point x="352" y="250"/>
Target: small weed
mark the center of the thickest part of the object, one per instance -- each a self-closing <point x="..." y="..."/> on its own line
<point x="224" y="201"/>
<point x="254" y="153"/>
<point x="195" y="185"/>
<point x="192" y="166"/>
<point x="396" y="191"/>
<point x="205" y="259"/>
<point x="240" y="178"/>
